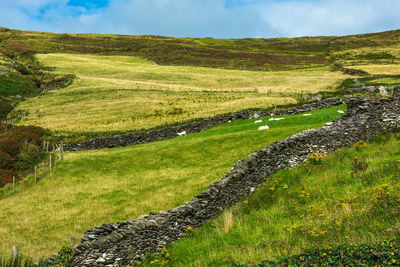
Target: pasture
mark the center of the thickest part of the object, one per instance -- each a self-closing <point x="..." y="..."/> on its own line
<point x="90" y="188"/>
<point x="114" y="94"/>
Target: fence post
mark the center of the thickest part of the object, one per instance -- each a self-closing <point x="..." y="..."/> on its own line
<point x="62" y="151"/>
<point x="50" y="162"/>
<point x="15" y="254"/>
<point x="35" y="174"/>
<point x="73" y="239"/>
<point x="13" y="184"/>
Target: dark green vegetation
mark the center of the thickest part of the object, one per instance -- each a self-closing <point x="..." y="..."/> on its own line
<point x="381" y="254"/>
<point x="350" y="197"/>
<point x="20" y="151"/>
<point x="252" y="54"/>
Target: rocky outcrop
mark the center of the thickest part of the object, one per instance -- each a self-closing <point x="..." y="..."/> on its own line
<point x="117" y="244"/>
<point x="193" y="127"/>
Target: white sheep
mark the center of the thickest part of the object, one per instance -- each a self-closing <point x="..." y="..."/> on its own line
<point x="305" y="115"/>
<point x="276" y="119"/>
<point x="182" y="134"/>
<point x="259" y="121"/>
<point x="340" y="111"/>
<point x="266" y="127"/>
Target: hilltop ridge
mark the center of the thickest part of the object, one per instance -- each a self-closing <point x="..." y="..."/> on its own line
<point x="247" y="53"/>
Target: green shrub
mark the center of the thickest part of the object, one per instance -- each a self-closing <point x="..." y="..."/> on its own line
<point x="5" y="108"/>
<point x="27" y="157"/>
<point x="6" y="161"/>
<point x="64" y="257"/>
<point x="382" y="254"/>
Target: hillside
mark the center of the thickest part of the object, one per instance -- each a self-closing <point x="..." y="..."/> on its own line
<point x="251" y="54"/>
<point x="94" y="187"/>
<point x="72" y="87"/>
<point x="350" y="197"/>
<point x="116" y="94"/>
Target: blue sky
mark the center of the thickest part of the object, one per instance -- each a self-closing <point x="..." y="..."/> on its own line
<point x="203" y="18"/>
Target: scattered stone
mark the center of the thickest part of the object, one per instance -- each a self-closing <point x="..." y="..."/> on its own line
<point x="383" y="91"/>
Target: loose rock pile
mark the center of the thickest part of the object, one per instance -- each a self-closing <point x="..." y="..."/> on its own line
<point x="117" y="244"/>
<point x="383" y="90"/>
<point x="193" y="127"/>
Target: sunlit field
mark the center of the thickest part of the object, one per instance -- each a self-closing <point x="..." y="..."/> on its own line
<point x="115" y="93"/>
<point x="389" y="69"/>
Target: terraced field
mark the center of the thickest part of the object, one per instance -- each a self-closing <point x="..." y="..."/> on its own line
<point x="114" y="94"/>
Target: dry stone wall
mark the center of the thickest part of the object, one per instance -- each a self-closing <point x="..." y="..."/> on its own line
<point x="117" y="244"/>
<point x="193" y="127"/>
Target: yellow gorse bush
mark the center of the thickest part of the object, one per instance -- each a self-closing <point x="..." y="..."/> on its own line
<point x="360" y="144"/>
<point x="315" y="158"/>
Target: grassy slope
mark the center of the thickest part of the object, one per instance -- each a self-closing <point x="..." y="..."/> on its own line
<point x="257" y="54"/>
<point x="115" y="94"/>
<point x="351" y="197"/>
<point x="94" y="187"/>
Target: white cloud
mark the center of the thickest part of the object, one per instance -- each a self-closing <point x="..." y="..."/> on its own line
<point x="332" y="17"/>
<point x="201" y="18"/>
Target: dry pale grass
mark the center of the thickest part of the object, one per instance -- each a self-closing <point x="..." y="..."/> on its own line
<point x="117" y="93"/>
<point x="389" y="69"/>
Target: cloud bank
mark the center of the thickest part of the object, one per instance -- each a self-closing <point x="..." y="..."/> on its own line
<point x="203" y="18"/>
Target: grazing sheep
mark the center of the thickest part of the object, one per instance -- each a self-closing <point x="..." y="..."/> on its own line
<point x="182" y="134"/>
<point x="266" y="127"/>
<point x="340" y="111"/>
<point x="259" y="121"/>
<point x="305" y="115"/>
<point x="276" y="119"/>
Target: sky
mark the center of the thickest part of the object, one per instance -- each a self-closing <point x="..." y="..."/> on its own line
<point x="203" y="18"/>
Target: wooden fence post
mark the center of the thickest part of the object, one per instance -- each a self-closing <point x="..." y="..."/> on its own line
<point x="15" y="254"/>
<point x="62" y="151"/>
<point x="35" y="174"/>
<point x="13" y="184"/>
<point x="50" y="162"/>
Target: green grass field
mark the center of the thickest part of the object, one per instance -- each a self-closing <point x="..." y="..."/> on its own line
<point x="114" y="94"/>
<point x="95" y="187"/>
<point x="351" y="196"/>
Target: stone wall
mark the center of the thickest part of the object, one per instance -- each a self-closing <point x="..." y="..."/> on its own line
<point x="192" y="127"/>
<point x="114" y="244"/>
